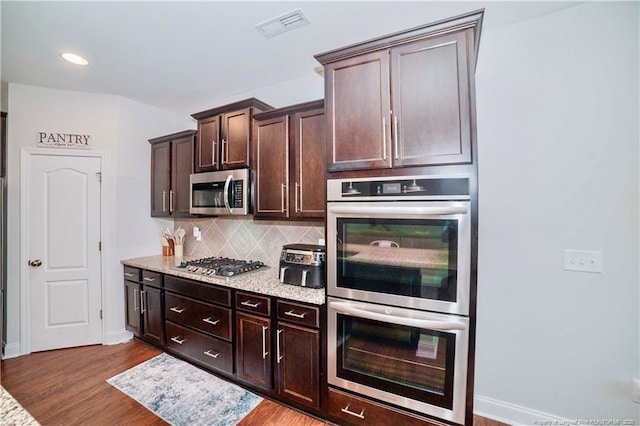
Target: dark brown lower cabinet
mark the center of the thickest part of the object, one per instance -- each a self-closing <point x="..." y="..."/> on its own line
<point x="144" y="299"/>
<point x="253" y="334"/>
<point x="297" y="361"/>
<point x="199" y="348"/>
<point x="151" y="308"/>
<point x="132" y="303"/>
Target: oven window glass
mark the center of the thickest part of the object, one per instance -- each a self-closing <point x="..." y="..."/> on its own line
<point x="406" y="257"/>
<point x="407" y="361"/>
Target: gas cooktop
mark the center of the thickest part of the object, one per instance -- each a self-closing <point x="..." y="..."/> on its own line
<point x="222" y="266"/>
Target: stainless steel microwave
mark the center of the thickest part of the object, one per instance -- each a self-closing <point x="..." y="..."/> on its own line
<point x="220" y="193"/>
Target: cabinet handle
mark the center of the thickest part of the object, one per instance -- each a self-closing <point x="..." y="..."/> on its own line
<point x="293" y="314"/>
<point x="164" y="201"/>
<point x="249" y="304"/>
<point x="143" y="296"/>
<point x="211" y="354"/>
<point x="209" y="321"/>
<point x="283" y="188"/>
<point x="395" y="136"/>
<point x="384" y="138"/>
<point x="347" y="411"/>
<point x="264" y="342"/>
<point x="213" y="153"/>
<point x="149" y="279"/>
<point x="136" y="297"/>
<point x="278" y="355"/>
<point x="178" y="340"/>
<point x="298" y="187"/>
<point x="171" y="201"/>
<point x="129" y="274"/>
<point x="224" y="156"/>
<point x="177" y="310"/>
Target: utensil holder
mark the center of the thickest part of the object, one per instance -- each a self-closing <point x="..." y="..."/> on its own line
<point x="168" y="250"/>
<point x="178" y="249"/>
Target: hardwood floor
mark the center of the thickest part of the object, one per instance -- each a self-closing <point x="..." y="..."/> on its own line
<point x="68" y="387"/>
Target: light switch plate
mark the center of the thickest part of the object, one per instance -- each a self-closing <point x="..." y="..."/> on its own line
<point x="583" y="261"/>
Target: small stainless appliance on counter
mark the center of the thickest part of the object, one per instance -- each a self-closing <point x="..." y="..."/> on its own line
<point x="303" y="265"/>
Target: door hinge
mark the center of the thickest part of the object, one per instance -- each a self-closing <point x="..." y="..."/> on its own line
<point x="99" y="176"/>
<point x="99" y="245"/>
<point x="100" y="313"/>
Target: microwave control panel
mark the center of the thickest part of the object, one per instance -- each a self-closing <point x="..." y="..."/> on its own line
<point x="238" y="195"/>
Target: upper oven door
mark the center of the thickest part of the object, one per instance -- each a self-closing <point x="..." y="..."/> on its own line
<point x="409" y="253"/>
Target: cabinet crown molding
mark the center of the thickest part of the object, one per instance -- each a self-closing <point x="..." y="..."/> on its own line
<point x="245" y="103"/>
<point x="173" y="136"/>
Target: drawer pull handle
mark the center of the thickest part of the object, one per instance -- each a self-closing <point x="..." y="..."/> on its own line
<point x="209" y="321"/>
<point x="347" y="411"/>
<point x="293" y="314"/>
<point x="178" y="340"/>
<point x="129" y="274"/>
<point x="148" y="279"/>
<point x="249" y="304"/>
<point x="177" y="310"/>
<point x="211" y="354"/>
<point x="264" y="342"/>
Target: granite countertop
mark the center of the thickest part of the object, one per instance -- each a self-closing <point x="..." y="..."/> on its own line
<point x="264" y="281"/>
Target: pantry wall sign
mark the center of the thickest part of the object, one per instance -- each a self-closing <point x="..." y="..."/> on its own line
<point x="64" y="140"/>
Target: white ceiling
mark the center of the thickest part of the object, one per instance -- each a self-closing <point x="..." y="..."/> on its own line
<point x="176" y="55"/>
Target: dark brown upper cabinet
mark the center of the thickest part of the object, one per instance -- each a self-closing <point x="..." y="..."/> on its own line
<point x="403" y="100"/>
<point x="171" y="166"/>
<point x="224" y="135"/>
<point x="289" y="162"/>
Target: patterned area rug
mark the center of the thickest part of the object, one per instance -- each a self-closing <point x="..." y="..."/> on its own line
<point x="182" y="394"/>
<point x="12" y="413"/>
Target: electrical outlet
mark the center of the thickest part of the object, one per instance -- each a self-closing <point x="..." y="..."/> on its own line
<point x="321" y="241"/>
<point x="583" y="261"/>
<point x="635" y="391"/>
<point x="197" y="234"/>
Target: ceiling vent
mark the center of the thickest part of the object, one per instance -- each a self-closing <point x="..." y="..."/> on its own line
<point x="283" y="23"/>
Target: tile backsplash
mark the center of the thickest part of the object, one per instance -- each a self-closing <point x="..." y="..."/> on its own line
<point x="245" y="238"/>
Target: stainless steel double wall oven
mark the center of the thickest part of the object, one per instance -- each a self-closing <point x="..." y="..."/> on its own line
<point x="398" y="286"/>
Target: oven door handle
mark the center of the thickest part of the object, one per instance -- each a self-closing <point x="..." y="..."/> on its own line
<point x="400" y="211"/>
<point x="409" y="322"/>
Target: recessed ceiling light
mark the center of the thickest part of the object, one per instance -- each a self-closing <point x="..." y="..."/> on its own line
<point x="74" y="59"/>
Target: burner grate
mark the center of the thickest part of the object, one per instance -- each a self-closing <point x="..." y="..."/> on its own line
<point x="222" y="266"/>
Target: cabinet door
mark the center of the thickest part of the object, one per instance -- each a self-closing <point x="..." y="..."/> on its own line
<point x="298" y="364"/>
<point x="152" y="315"/>
<point x="235" y="142"/>
<point x="207" y="145"/>
<point x="308" y="183"/>
<point x="254" y="350"/>
<point x="271" y="167"/>
<point x="181" y="169"/>
<point x="357" y="104"/>
<point x="431" y="106"/>
<point x="160" y="178"/>
<point x="132" y="306"/>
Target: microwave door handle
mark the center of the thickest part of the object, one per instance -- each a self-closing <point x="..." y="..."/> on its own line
<point x="401" y="211"/>
<point x="409" y="322"/>
<point x="226" y="193"/>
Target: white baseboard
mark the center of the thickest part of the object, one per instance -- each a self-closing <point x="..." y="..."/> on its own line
<point x="114" y="338"/>
<point x="12" y="350"/>
<point x="511" y="414"/>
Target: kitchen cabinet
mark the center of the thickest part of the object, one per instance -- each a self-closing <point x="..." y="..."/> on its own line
<point x="298" y="353"/>
<point x="224" y="135"/>
<point x="144" y="299"/>
<point x="253" y="346"/>
<point x="404" y="100"/>
<point x="198" y="320"/>
<point x="289" y="163"/>
<point x="171" y="167"/>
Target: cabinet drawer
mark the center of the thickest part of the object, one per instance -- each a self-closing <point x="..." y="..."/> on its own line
<point x="352" y="410"/>
<point x="152" y="278"/>
<point x="208" y="318"/>
<point x="202" y="291"/>
<point x="132" y="274"/>
<point x="204" y="350"/>
<point x="253" y="303"/>
<point x="298" y="314"/>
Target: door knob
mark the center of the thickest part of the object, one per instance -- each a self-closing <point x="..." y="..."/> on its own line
<point x="35" y="263"/>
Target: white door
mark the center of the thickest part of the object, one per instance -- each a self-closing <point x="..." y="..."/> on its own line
<point x="64" y="237"/>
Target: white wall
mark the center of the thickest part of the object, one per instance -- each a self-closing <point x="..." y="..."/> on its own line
<point x="557" y="101"/>
<point x="119" y="128"/>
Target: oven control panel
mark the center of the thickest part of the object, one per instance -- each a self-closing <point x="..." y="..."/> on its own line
<point x="425" y="187"/>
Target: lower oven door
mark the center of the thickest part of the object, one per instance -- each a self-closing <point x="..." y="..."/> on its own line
<point x="413" y="359"/>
